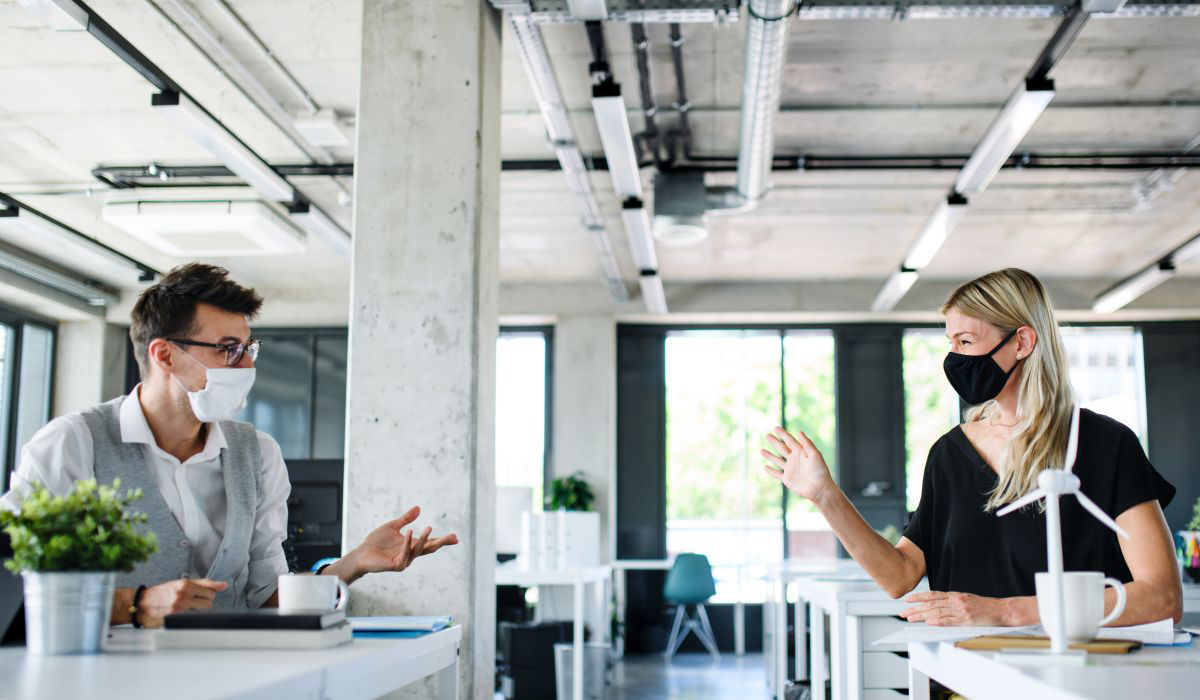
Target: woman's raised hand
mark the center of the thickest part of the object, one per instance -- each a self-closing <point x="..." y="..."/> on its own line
<point x="798" y="464"/>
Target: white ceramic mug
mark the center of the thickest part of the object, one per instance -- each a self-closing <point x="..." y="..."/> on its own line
<point x="1083" y="602"/>
<point x="312" y="593"/>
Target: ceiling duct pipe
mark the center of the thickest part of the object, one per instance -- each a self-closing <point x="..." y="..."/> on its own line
<point x="766" y="47"/>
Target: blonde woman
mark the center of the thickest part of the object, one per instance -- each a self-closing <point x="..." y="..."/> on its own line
<point x="1007" y="360"/>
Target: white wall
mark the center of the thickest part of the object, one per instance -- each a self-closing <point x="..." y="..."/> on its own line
<point x="89" y="365"/>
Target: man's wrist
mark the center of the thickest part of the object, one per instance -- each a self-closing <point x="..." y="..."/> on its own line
<point x="345" y="568"/>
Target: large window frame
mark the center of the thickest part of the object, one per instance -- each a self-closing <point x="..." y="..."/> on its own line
<point x="11" y="380"/>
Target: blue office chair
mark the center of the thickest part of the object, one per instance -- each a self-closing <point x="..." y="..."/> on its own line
<point x="690" y="582"/>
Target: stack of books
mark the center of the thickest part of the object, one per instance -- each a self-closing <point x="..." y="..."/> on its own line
<point x="266" y="628"/>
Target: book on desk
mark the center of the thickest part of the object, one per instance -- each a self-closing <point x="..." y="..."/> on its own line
<point x="265" y="628"/>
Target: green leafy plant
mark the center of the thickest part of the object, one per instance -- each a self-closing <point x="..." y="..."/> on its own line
<point x="89" y="529"/>
<point x="1195" y="522"/>
<point x="570" y="493"/>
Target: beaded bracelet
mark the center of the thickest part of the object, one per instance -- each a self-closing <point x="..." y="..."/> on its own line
<point x="133" y="608"/>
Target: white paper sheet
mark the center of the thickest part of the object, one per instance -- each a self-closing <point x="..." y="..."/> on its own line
<point x="1161" y="632"/>
<point x="922" y="632"/>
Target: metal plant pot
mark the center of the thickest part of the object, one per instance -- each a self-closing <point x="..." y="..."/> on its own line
<point x="67" y="612"/>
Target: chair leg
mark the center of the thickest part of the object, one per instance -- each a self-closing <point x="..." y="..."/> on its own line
<point x="706" y="634"/>
<point x="672" y="644"/>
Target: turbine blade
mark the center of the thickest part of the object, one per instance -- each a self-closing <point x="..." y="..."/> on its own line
<point x="1022" y="502"/>
<point x="1073" y="440"/>
<point x="1100" y="514"/>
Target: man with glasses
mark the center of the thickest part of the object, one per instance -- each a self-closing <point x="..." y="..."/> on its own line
<point x="215" y="489"/>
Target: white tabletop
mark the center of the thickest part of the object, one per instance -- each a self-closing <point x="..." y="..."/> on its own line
<point x="643" y="564"/>
<point x="365" y="668"/>
<point x="513" y="574"/>
<point x="1152" y="672"/>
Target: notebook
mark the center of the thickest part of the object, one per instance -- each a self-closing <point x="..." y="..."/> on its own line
<point x="254" y="638"/>
<point x="256" y="619"/>
<point x="397" y="627"/>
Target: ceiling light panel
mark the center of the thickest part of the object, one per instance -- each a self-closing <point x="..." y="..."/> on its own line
<point x="1127" y="290"/>
<point x="224" y="146"/>
<point x="43" y="237"/>
<point x="894" y="290"/>
<point x="223" y="229"/>
<point x="319" y="225"/>
<point x="937" y="229"/>
<point x="617" y="139"/>
<point x="652" y="293"/>
<point x="1004" y="135"/>
<point x="641" y="241"/>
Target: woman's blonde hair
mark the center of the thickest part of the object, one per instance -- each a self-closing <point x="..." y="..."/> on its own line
<point x="1009" y="299"/>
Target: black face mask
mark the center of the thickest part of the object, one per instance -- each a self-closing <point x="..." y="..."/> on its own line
<point x="977" y="378"/>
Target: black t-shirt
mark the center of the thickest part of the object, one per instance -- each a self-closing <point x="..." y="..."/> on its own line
<point x="970" y="550"/>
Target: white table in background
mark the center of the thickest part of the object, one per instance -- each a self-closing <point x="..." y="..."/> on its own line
<point x="780" y="577"/>
<point x="511" y="574"/>
<point x="621" y="567"/>
<point x="1151" y="672"/>
<point x="365" y="668"/>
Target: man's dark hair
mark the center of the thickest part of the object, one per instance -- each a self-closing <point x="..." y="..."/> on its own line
<point x="167" y="309"/>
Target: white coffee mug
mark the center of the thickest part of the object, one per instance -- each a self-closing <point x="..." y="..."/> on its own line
<point x="312" y="593"/>
<point x="1083" y="602"/>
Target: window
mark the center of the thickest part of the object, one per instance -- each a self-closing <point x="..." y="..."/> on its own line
<point x="1107" y="372"/>
<point x="724" y="393"/>
<point x="26" y="373"/>
<point x="299" y="394"/>
<point x="931" y="408"/>
<point x="522" y="366"/>
<point x="809" y="405"/>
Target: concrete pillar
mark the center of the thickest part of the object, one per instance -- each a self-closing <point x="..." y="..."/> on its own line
<point x="89" y="364"/>
<point x="423" y="317"/>
<point x="585" y="411"/>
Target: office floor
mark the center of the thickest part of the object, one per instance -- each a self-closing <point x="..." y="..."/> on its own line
<point x="689" y="677"/>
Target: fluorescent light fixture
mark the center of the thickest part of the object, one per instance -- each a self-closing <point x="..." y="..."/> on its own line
<point x="652" y="292"/>
<point x="617" y="139"/>
<point x="1005" y="133"/>
<point x="587" y="9"/>
<point x="1129" y="289"/>
<point x="79" y="289"/>
<point x="637" y="228"/>
<point x="1187" y="251"/>
<point x="63" y="15"/>
<point x="937" y="229"/>
<point x="894" y="290"/>
<point x="226" y="147"/>
<point x="319" y="224"/>
<point x="45" y="238"/>
<point x="192" y="229"/>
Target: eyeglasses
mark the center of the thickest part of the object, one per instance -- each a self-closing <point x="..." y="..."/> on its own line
<point x="233" y="351"/>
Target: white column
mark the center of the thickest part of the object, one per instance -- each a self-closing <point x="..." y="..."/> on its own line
<point x="585" y="411"/>
<point x="420" y="418"/>
<point x="89" y="364"/>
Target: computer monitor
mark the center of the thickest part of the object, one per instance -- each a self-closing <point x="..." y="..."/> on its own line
<point x="12" y="598"/>
<point x="314" y="511"/>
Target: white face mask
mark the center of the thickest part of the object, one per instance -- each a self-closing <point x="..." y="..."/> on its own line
<point x="224" y="396"/>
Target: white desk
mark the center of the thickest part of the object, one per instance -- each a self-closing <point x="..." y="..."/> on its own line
<point x="365" y="668"/>
<point x="780" y="577"/>
<point x="1152" y="672"/>
<point x="511" y="574"/>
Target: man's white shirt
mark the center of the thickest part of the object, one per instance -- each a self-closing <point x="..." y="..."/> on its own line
<point x="62" y="453"/>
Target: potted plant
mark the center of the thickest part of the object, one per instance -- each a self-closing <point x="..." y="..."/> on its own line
<point x="68" y="550"/>
<point x="570" y="493"/>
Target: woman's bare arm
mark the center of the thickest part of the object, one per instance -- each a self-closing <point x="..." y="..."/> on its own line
<point x="1155" y="592"/>
<point x="800" y="466"/>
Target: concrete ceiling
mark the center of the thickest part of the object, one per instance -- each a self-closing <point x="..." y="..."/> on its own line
<point x="851" y="87"/>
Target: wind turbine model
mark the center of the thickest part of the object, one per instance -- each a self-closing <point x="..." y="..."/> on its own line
<point x="1053" y="484"/>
